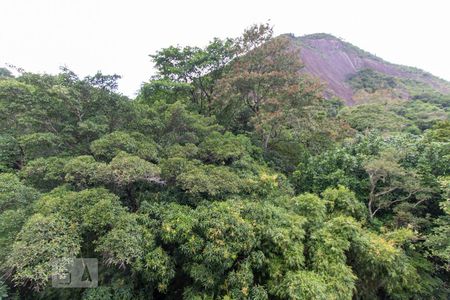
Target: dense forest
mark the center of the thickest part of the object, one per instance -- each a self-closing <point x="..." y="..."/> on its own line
<point x="229" y="176"/>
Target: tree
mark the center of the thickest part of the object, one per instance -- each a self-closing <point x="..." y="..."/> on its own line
<point x="42" y="242"/>
<point x="374" y="117"/>
<point x="440" y="132"/>
<point x="16" y="200"/>
<point x="439" y="241"/>
<point x="387" y="176"/>
<point x="44" y="173"/>
<point x="83" y="172"/>
<point x="109" y="145"/>
<point x="63" y="222"/>
<point x="263" y="86"/>
<point x="195" y="67"/>
<point x="224" y="148"/>
<point x="181" y="126"/>
<point x="11" y="156"/>
<point x="61" y="110"/>
<point x="228" y="177"/>
<point x="125" y="169"/>
<point x="14" y="193"/>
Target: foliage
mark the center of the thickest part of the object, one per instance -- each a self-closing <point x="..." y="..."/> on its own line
<point x="228" y="177"/>
<point x="41" y="241"/>
<point x="15" y="202"/>
<point x="439" y="240"/>
<point x="374" y="117"/>
<point x="44" y="173"/>
<point x="10" y="153"/>
<point x="191" y="70"/>
<point x="371" y="80"/>
<point x="135" y="143"/>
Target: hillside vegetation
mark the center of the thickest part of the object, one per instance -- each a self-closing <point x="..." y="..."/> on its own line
<point x="230" y="176"/>
<point x="339" y="65"/>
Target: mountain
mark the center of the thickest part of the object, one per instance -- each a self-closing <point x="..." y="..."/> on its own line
<point x="358" y="76"/>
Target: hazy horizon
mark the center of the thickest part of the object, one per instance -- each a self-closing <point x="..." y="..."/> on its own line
<point x="118" y="36"/>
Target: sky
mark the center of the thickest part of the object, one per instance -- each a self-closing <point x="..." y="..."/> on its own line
<point x="117" y="36"/>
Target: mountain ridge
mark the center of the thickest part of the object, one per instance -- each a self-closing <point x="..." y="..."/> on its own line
<point x="336" y="62"/>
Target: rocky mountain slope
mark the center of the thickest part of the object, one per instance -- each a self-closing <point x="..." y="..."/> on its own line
<point x="358" y="76"/>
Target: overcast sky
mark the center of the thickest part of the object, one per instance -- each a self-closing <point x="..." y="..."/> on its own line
<point x="116" y="36"/>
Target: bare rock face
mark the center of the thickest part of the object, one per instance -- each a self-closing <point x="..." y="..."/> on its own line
<point x="334" y="61"/>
